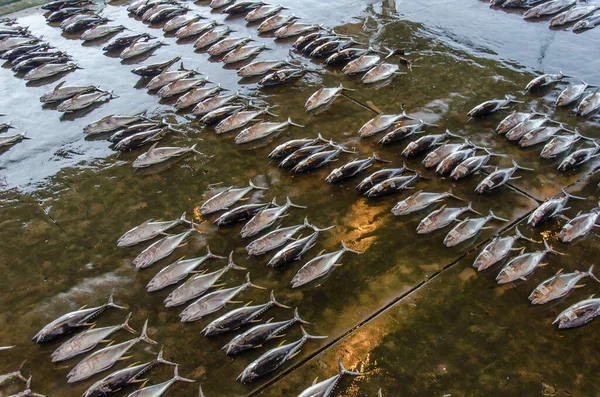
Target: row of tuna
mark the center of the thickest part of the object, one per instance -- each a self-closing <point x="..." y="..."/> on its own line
<point x="7" y="141"/>
<point x="563" y="12"/>
<point x="16" y="375"/>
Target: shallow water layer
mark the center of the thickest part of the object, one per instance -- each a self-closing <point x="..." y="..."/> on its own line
<point x="67" y="199"/>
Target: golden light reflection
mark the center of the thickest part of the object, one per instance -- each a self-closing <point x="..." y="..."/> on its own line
<point x="364" y="221"/>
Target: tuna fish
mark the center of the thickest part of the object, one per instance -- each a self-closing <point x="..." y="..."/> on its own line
<point x="261" y="130"/>
<point x="239" y="317"/>
<point x="542" y="134"/>
<point x="526" y="127"/>
<point x="274" y="358"/>
<point x="180" y="86"/>
<point x="425" y="143"/>
<point x="31" y="63"/>
<point x="392" y="185"/>
<point x="571" y="94"/>
<point x="213" y="103"/>
<point x="166" y="77"/>
<point x="71" y="322"/>
<point x="120" y="43"/>
<point x="468" y="229"/>
<point x="9" y="43"/>
<point x="381" y="122"/>
<point x="559" y="285"/>
<point x="227" y="198"/>
<point x="323" y="97"/>
<point x="326" y="387"/>
<point x="498" y="178"/>
<point x="352" y="168"/>
<point x="240" y="214"/>
<point x="161" y="249"/>
<point x="88" y="21"/>
<point x="82" y="101"/>
<point x="300" y="154"/>
<point x="498" y="249"/>
<point x="88" y="340"/>
<point x="448" y="164"/>
<point x="48" y="70"/>
<point x="11" y="139"/>
<point x="197" y="285"/>
<point x="579" y="226"/>
<point x="589" y="104"/>
<point x="332" y="46"/>
<point x="579" y="157"/>
<point x="319" y="159"/>
<point x="259" y="68"/>
<point x="434" y="158"/>
<point x="471" y="165"/>
<point x="178" y="270"/>
<point x="381" y="72"/>
<point x="195" y="28"/>
<point x="220" y="3"/>
<point x="296" y="249"/>
<point x="27" y="392"/>
<point x="512" y="120"/>
<point x="227" y="45"/>
<point x="105" y="358"/>
<point x="124" y="377"/>
<point x="289" y="147"/>
<point x="242" y="53"/>
<point x="112" y="123"/>
<point x="420" y="200"/>
<point x="544" y="80"/>
<point x="361" y="64"/>
<point x="303" y="41"/>
<point x="549" y="209"/>
<point x="275" y="22"/>
<point x="319" y="267"/>
<point x="156" y="155"/>
<point x="180" y="21"/>
<point x="294" y="29"/>
<point x="274" y="239"/>
<point x="549" y="8"/>
<point x="240" y="119"/>
<point x="242" y="6"/>
<point x="579" y="314"/>
<point x="263" y="12"/>
<point x="211" y="37"/>
<point x="16" y="374"/>
<point x="441" y="218"/>
<point x="281" y="76"/>
<point x="58" y="4"/>
<point x="260" y="334"/>
<point x="147" y="231"/>
<point x="218" y="115"/>
<point x="404" y="132"/>
<point x="99" y="32"/>
<point x="214" y="301"/>
<point x="138" y="48"/>
<point x="347" y="55"/>
<point x="588" y="23"/>
<point x="196" y="95"/>
<point x="160" y="388"/>
<point x="560" y="144"/>
<point x="523" y="265"/>
<point x="488" y="107"/>
<point x="265" y="218"/>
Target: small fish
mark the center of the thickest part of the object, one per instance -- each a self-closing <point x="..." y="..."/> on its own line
<point x="275" y="22"/>
<point x="512" y="120"/>
<point x="239" y="214"/>
<point x="302" y="41"/>
<point x="258" y="68"/>
<point x="588" y="23"/>
<point x="420" y="200"/>
<point x="111" y="123"/>
<point x="498" y="178"/>
<point x="346" y="55"/>
<point x="448" y="164"/>
<point x="319" y="159"/>
<point x="296" y="249"/>
<point x="325" y="388"/>
<point x="559" y="285"/>
<point x="381" y="72"/>
<point x="258" y="335"/>
<point x="160" y="388"/>
<point x="526" y="127"/>
<point x="289" y="147"/>
<point x="275" y="239"/>
<point x="543" y="81"/>
<point x="434" y="158"/>
<point x="218" y="115"/>
<point x="196" y="286"/>
<point x="549" y="8"/>
<point x="361" y="64"/>
<point x="213" y="103"/>
<point x="441" y="218"/>
<point x="211" y="37"/>
<point x="261" y="130"/>
<point x="488" y="107"/>
<point x="550" y="208"/>
<point x="332" y="46"/>
<point x="64" y="13"/>
<point x="70" y="322"/>
<point x="560" y="144"/>
<point x="228" y="197"/>
<point x="140" y="139"/>
<point x="195" y="28"/>
<point x="425" y="143"/>
<point x="180" y="21"/>
<point x="265" y="218"/>
<point x="156" y="155"/>
<point x="323" y="97"/>
<point x="180" y="86"/>
<point x="161" y="249"/>
<point x="122" y="378"/>
<point x="392" y="185"/>
<point x="239" y="317"/>
<point x="579" y="313"/>
<point x="578" y="157"/>
<point x="319" y="266"/>
<point x="82" y="101"/>
<point x="471" y="165"/>
<point x="274" y="358"/>
<point x="404" y="132"/>
<point x="523" y="265"/>
<point x="262" y="12"/>
<point x="166" y="14"/>
<point x="242" y="6"/>
<point x="87" y="340"/>
<point x="227" y="45"/>
<point x="295" y="29"/>
<point x="589" y="104"/>
<point x="196" y="95"/>
<point x="32" y="63"/>
<point x="300" y="154"/>
<point x="352" y="168"/>
<point x="380" y="176"/>
<point x="214" y="301"/>
<point x="497" y="249"/>
<point x="178" y="270"/>
<point x="579" y="226"/>
<point x="120" y="43"/>
<point x="571" y="94"/>
<point x="147" y="231"/>
<point x="541" y="135"/>
<point x="242" y="53"/>
<point x="468" y="229"/>
<point x="139" y="48"/>
<point x="105" y="358"/>
<point x="48" y="70"/>
<point x="166" y="77"/>
<point x="240" y="119"/>
<point x="88" y="21"/>
<point x="281" y="76"/>
<point x="380" y="123"/>
<point x="16" y="374"/>
<point x="155" y="69"/>
<point x="99" y="32"/>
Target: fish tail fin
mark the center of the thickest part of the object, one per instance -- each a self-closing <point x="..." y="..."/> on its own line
<point x="289" y="202"/>
<point x="306" y="335"/>
<point x="316" y="229"/>
<point x="494" y="216"/>
<point x="200" y="393"/>
<point x="298" y="319"/>
<point x="178" y="378"/>
<point x="182" y="218"/>
<point x="569" y="195"/>
<point x="144" y="335"/>
<point x="161" y="360"/>
<point x="406" y="168"/>
<point x="378" y="159"/>
<point x="451" y="194"/>
<point x="253" y="186"/>
<point x="210" y="255"/>
<point x="552" y="251"/>
<point x="306" y="222"/>
<point x="249" y="283"/>
<point x="290" y="122"/>
<point x="348" y="249"/>
<point x="125" y="325"/>
<point x="591" y="274"/>
<point x="470" y="208"/>
<point x="522" y="237"/>
<point x="275" y="303"/>
<point x="110" y="303"/>
<point x="18" y="371"/>
<point x="517" y="166"/>
<point x="344" y="371"/>
<point x="232" y="265"/>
